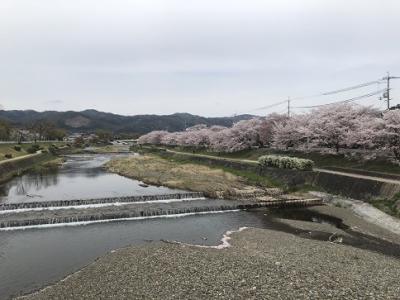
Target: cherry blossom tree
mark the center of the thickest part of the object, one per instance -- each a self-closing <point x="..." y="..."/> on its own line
<point x="365" y="133"/>
<point x="390" y="132"/>
<point x="246" y="133"/>
<point x="172" y="139"/>
<point x="154" y="137"/>
<point x="266" y="129"/>
<point x="220" y="139"/>
<point x="294" y="132"/>
<point x="331" y="125"/>
<point x="328" y="127"/>
<point x="242" y="135"/>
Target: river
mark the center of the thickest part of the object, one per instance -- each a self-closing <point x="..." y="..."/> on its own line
<point x="80" y="177"/>
<point x="33" y="258"/>
<point x="30" y="259"/>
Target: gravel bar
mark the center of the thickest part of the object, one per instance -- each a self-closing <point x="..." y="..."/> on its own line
<point x="261" y="264"/>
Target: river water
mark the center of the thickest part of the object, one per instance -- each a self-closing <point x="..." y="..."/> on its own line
<point x="80" y="177"/>
<point x="32" y="258"/>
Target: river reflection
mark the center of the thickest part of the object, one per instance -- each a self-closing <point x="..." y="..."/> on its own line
<point x="80" y="177"/>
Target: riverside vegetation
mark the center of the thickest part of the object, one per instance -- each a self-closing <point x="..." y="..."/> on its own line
<point x="285" y="162"/>
<point x="214" y="182"/>
<point x="8" y="151"/>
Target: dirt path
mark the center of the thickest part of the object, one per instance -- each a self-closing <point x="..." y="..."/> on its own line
<point x="348" y="174"/>
<point x="20" y="157"/>
<point x="213" y="157"/>
<point x="394" y="181"/>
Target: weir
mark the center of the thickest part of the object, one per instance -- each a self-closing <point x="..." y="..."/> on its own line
<point x="134" y="210"/>
<point x="123" y="199"/>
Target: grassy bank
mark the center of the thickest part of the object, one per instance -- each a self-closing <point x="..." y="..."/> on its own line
<point x="320" y="160"/>
<point x="38" y="162"/>
<point x="251" y="178"/>
<point x="215" y="182"/>
<point x="10" y="149"/>
<point x="52" y="163"/>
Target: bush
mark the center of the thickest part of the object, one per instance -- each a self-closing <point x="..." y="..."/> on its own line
<point x="285" y="162"/>
<point x="8" y="155"/>
<point x="17" y="148"/>
<point x="33" y="149"/>
<point x="53" y="149"/>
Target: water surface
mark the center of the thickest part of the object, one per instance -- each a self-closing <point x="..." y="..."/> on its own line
<point x="80" y="177"/>
<point x="30" y="259"/>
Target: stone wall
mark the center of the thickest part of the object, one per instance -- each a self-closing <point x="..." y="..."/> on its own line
<point x="356" y="188"/>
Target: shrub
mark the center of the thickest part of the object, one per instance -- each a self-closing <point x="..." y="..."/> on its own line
<point x="53" y="149"/>
<point x="17" y="148"/>
<point x="285" y="162"/>
<point x="33" y="149"/>
<point x="8" y="155"/>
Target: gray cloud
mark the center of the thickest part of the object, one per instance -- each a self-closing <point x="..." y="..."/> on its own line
<point x="205" y="57"/>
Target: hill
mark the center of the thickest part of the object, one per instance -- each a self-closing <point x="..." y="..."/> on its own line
<point x="90" y="120"/>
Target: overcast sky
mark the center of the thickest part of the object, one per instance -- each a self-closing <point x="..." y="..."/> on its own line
<point x="207" y="57"/>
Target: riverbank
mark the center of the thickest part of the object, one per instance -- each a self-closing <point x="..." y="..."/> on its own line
<point x="18" y="165"/>
<point x="215" y="183"/>
<point x="365" y="211"/>
<point x="18" y="150"/>
<point x="303" y="260"/>
<point x="322" y="160"/>
<point x="381" y="189"/>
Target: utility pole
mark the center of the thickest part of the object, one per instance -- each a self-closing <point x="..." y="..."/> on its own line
<point x="288" y="107"/>
<point x="386" y="95"/>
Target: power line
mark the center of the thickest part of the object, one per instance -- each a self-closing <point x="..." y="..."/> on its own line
<point x="344" y="101"/>
<point x="268" y="106"/>
<point x="351" y="88"/>
<point x="318" y="95"/>
<point x="386" y="95"/>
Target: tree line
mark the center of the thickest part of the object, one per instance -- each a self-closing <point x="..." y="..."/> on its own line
<point x="38" y="130"/>
<point x="333" y="127"/>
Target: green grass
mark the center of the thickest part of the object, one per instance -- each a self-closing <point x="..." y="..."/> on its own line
<point x="389" y="206"/>
<point x="250" y="177"/>
<point x="9" y="149"/>
<point x="320" y="160"/>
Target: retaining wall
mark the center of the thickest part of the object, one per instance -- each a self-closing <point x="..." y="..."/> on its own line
<point x="352" y="187"/>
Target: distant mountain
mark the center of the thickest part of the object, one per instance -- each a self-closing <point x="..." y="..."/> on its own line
<point x="90" y="120"/>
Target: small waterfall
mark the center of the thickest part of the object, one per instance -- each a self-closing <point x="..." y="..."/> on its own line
<point x="76" y="202"/>
<point x="149" y="210"/>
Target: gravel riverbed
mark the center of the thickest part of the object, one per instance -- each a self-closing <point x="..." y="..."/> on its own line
<point x="260" y="264"/>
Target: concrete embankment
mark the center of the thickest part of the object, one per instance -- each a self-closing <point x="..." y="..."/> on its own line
<point x="123" y="211"/>
<point x="16" y="166"/>
<point x="354" y="186"/>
